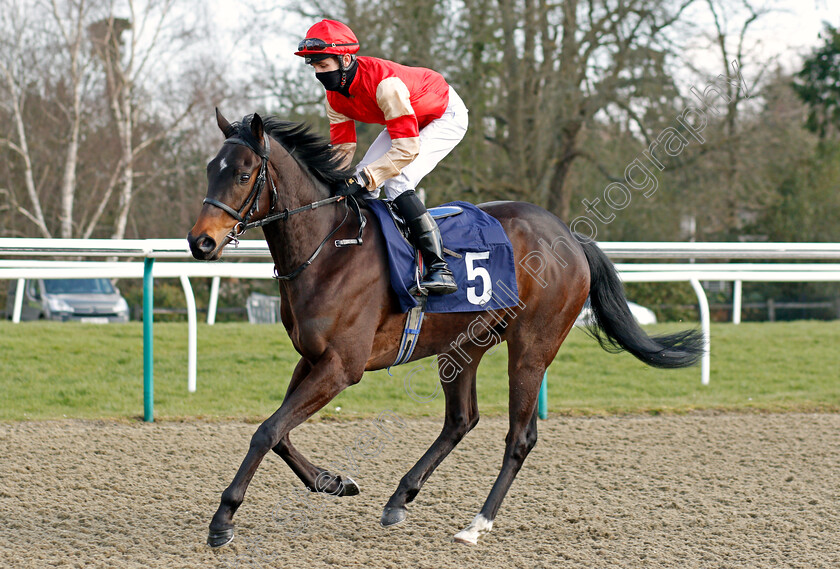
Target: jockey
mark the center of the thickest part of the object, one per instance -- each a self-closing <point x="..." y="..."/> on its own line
<point x="424" y="119"/>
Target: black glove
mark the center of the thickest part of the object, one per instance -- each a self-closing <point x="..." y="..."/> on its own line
<point x="350" y="186"/>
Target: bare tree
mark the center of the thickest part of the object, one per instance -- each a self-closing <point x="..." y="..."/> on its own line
<point x="131" y="49"/>
<point x="144" y="61"/>
<point x="69" y="18"/>
<point x="732" y="167"/>
<point x="577" y="60"/>
<point x="19" y="41"/>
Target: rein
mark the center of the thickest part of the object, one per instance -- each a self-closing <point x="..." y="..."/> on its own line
<point x="245" y="223"/>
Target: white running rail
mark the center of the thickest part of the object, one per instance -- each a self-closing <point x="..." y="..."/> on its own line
<point x="23" y="265"/>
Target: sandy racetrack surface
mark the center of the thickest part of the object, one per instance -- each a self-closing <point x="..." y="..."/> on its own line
<point x="677" y="491"/>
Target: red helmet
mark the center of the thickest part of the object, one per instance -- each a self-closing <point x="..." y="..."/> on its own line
<point x="325" y="39"/>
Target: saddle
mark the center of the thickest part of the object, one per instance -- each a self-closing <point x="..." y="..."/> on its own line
<point x="439" y="212"/>
<point x="481" y="261"/>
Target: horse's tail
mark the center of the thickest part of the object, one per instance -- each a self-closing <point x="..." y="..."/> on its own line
<point x="615" y="328"/>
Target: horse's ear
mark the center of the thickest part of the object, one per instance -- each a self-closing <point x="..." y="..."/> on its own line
<point x="257" y="127"/>
<point x="223" y="123"/>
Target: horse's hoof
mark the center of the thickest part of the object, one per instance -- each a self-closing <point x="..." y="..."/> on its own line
<point x="470" y="534"/>
<point x="392" y="516"/>
<point x="219" y="538"/>
<point x="349" y="487"/>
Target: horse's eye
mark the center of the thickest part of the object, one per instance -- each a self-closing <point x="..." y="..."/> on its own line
<point x="243" y="179"/>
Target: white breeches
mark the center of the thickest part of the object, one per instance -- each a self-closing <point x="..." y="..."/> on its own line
<point x="437" y="140"/>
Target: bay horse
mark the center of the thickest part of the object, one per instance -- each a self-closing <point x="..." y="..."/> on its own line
<point x="343" y="318"/>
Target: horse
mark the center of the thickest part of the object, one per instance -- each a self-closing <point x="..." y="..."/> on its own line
<point x="343" y="317"/>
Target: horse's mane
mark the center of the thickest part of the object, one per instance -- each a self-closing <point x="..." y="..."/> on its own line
<point x="308" y="148"/>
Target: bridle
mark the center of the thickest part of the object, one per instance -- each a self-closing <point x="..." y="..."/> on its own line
<point x="244" y="223"/>
<point x="256" y="191"/>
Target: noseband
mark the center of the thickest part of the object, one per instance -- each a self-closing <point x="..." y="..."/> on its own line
<point x="244" y="223"/>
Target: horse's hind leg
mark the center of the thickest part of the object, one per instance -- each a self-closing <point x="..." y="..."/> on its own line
<point x="461" y="416"/>
<point x="525" y="379"/>
<point x="314" y="478"/>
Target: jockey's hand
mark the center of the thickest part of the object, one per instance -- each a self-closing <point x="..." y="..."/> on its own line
<point x="350" y="186"/>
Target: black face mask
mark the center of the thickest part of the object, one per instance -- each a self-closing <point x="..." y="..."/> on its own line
<point x="330" y="79"/>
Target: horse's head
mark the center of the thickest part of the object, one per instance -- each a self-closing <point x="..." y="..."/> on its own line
<point x="238" y="187"/>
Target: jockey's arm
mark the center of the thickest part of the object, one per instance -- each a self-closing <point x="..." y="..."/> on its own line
<point x="342" y="135"/>
<point x="393" y="98"/>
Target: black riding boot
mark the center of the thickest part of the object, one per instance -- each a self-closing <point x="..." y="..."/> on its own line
<point x="425" y="235"/>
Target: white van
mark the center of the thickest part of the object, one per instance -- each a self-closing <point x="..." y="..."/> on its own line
<point x="81" y="300"/>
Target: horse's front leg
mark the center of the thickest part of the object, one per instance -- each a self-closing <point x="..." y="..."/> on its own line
<point x="327" y="378"/>
<point x="314" y="478"/>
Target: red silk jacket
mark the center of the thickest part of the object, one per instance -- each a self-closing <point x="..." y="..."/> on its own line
<point x="404" y="99"/>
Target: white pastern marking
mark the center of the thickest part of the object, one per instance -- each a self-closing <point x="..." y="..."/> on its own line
<point x="222" y="165"/>
<point x="470" y="534"/>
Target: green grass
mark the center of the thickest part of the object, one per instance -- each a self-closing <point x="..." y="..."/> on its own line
<point x="56" y="370"/>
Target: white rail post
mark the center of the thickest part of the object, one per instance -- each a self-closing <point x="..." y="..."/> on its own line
<point x="704" y="323"/>
<point x="214" y="300"/>
<point x="192" y="337"/>
<point x="736" y="303"/>
<point x="19" y="294"/>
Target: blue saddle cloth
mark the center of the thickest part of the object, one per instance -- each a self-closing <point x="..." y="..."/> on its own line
<point x="485" y="271"/>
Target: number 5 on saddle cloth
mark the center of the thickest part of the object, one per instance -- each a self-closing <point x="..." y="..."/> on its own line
<point x="479" y="255"/>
